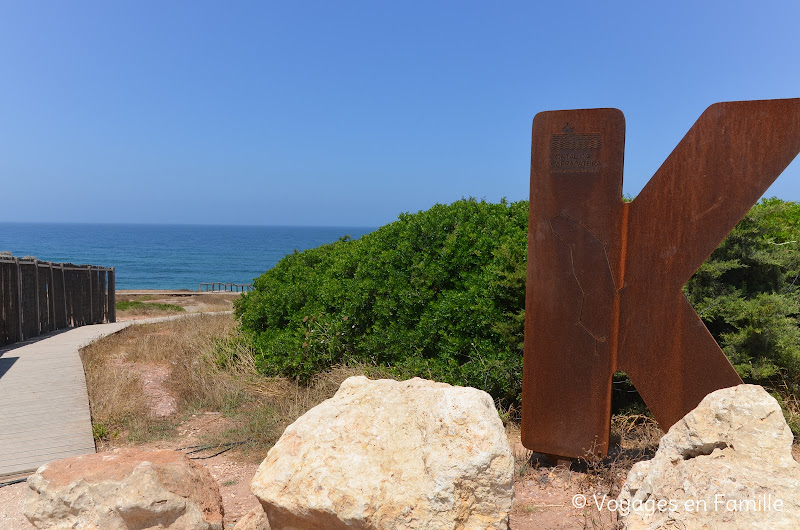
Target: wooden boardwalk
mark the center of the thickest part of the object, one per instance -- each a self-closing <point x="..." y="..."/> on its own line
<point x="44" y="406"/>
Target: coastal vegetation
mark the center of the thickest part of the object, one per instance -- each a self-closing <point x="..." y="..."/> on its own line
<point x="437" y="294"/>
<point x="747" y="294"/>
<point x="440" y="294"/>
<point x="148" y="307"/>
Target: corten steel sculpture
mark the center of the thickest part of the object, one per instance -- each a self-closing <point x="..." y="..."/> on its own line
<point x="604" y="276"/>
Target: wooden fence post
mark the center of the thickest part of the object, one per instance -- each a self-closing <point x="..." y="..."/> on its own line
<point x="36" y="287"/>
<point x="19" y="299"/>
<point x="51" y="302"/>
<point x="112" y="294"/>
<point x="64" y="292"/>
<point x="91" y="300"/>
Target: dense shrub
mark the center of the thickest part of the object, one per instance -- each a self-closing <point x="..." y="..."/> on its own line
<point x="440" y="294"/>
<point x="747" y="294"/>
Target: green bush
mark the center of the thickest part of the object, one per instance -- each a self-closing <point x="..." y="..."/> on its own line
<point x="438" y="294"/>
<point x="747" y="294"/>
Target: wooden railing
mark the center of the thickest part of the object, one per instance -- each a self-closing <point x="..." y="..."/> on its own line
<point x="39" y="296"/>
<point x="225" y="287"/>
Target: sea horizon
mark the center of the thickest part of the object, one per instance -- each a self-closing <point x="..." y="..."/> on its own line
<point x="121" y="223"/>
<point x="168" y="255"/>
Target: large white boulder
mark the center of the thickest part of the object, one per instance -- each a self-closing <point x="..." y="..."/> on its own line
<point x="726" y="464"/>
<point x="385" y="454"/>
<point x="124" y="489"/>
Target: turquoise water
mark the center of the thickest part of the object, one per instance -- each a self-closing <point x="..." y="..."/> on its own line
<point x="151" y="256"/>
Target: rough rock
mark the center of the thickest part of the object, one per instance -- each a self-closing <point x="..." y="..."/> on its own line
<point x="255" y="519"/>
<point x="124" y="489"/>
<point x="387" y="454"/>
<point x="726" y="464"/>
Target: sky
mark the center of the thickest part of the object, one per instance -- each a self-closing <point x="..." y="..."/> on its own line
<point x="349" y="113"/>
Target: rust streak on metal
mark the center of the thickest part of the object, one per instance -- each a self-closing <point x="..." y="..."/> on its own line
<point x="604" y="277"/>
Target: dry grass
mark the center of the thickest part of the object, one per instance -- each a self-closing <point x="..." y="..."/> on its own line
<point x="634" y="438"/>
<point x="787" y="397"/>
<point x="109" y="390"/>
<point x="637" y="435"/>
<point x="211" y="369"/>
<point x="791" y="407"/>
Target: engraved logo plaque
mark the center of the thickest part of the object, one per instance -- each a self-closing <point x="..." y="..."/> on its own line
<point x="573" y="152"/>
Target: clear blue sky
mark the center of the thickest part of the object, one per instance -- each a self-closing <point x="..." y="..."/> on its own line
<point x="348" y="113"/>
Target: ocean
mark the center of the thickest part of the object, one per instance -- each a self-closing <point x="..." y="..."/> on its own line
<point x="151" y="256"/>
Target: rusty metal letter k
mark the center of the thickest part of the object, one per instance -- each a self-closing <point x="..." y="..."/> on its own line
<point x="605" y="277"/>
